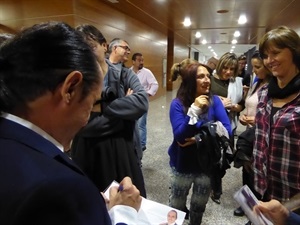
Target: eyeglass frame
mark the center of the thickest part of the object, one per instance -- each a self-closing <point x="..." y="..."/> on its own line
<point x="125" y="47"/>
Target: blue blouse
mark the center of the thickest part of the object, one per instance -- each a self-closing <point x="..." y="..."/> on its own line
<point x="184" y="159"/>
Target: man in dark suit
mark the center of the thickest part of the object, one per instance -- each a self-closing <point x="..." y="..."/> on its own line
<point x="49" y="81"/>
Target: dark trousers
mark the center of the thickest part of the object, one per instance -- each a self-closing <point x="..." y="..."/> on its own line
<point x="216" y="182"/>
<point x="248" y="179"/>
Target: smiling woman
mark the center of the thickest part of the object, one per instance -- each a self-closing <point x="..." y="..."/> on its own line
<point x="193" y="106"/>
<point x="277" y="141"/>
<point x="228" y="86"/>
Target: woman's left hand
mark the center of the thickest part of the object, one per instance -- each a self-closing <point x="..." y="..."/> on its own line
<point x="189" y="141"/>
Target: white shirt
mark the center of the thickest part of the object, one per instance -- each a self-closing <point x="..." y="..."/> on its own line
<point x="148" y="80"/>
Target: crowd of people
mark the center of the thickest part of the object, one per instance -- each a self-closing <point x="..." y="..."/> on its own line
<point x="74" y="94"/>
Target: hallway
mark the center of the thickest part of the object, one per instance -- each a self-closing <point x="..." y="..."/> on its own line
<point x="157" y="171"/>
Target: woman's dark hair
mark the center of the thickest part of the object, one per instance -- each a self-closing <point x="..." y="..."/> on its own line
<point x="89" y="32"/>
<point x="281" y="37"/>
<point x="38" y="59"/>
<point x="188" y="87"/>
<point x="256" y="55"/>
<point x="4" y="37"/>
<point x="242" y="57"/>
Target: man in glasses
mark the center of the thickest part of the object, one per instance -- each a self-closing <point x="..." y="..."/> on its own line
<point x="132" y="100"/>
<point x="119" y="51"/>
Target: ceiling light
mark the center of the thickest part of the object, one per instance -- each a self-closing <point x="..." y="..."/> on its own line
<point x="242" y="19"/>
<point x="234" y="41"/>
<point x="187" y="22"/>
<point x="204" y="42"/>
<point x="233" y="46"/>
<point x="198" y="34"/>
<point x="236" y="34"/>
<point x="209" y="47"/>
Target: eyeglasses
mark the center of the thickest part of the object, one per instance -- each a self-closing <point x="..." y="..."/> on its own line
<point x="126" y="48"/>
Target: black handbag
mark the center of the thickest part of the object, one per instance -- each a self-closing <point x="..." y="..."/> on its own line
<point x="244" y="147"/>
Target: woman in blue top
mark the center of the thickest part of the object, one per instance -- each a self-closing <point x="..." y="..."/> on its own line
<point x="192" y="107"/>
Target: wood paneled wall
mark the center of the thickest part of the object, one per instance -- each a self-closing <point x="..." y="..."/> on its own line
<point x="16" y="14"/>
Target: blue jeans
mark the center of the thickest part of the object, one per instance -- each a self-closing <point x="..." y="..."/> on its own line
<point x="142" y="123"/>
<point x="181" y="183"/>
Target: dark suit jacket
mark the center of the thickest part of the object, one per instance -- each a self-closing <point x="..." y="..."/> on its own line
<point x="41" y="185"/>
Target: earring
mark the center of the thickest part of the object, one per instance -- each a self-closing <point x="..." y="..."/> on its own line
<point x="68" y="98"/>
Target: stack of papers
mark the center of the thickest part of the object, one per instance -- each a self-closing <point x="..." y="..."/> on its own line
<point x="152" y="212"/>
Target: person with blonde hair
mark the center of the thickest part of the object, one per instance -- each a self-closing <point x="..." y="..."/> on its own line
<point x="228" y="86"/>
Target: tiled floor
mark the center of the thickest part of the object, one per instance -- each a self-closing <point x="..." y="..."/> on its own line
<point x="157" y="171"/>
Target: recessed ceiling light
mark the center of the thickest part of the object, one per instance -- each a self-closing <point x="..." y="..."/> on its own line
<point x="242" y="19"/>
<point x="187" y="22"/>
<point x="223" y="11"/>
<point x="234" y="41"/>
<point x="198" y="34"/>
<point x="209" y="47"/>
<point x="237" y="34"/>
<point x="204" y="42"/>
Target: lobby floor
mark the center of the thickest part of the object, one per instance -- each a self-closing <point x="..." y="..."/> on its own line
<point x="157" y="171"/>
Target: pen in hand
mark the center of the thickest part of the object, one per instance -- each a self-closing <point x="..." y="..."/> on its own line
<point x="121" y="188"/>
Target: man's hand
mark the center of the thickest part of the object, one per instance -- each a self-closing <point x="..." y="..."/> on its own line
<point x="127" y="194"/>
<point x="129" y="91"/>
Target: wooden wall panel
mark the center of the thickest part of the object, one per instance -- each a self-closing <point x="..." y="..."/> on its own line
<point x="17" y="14"/>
